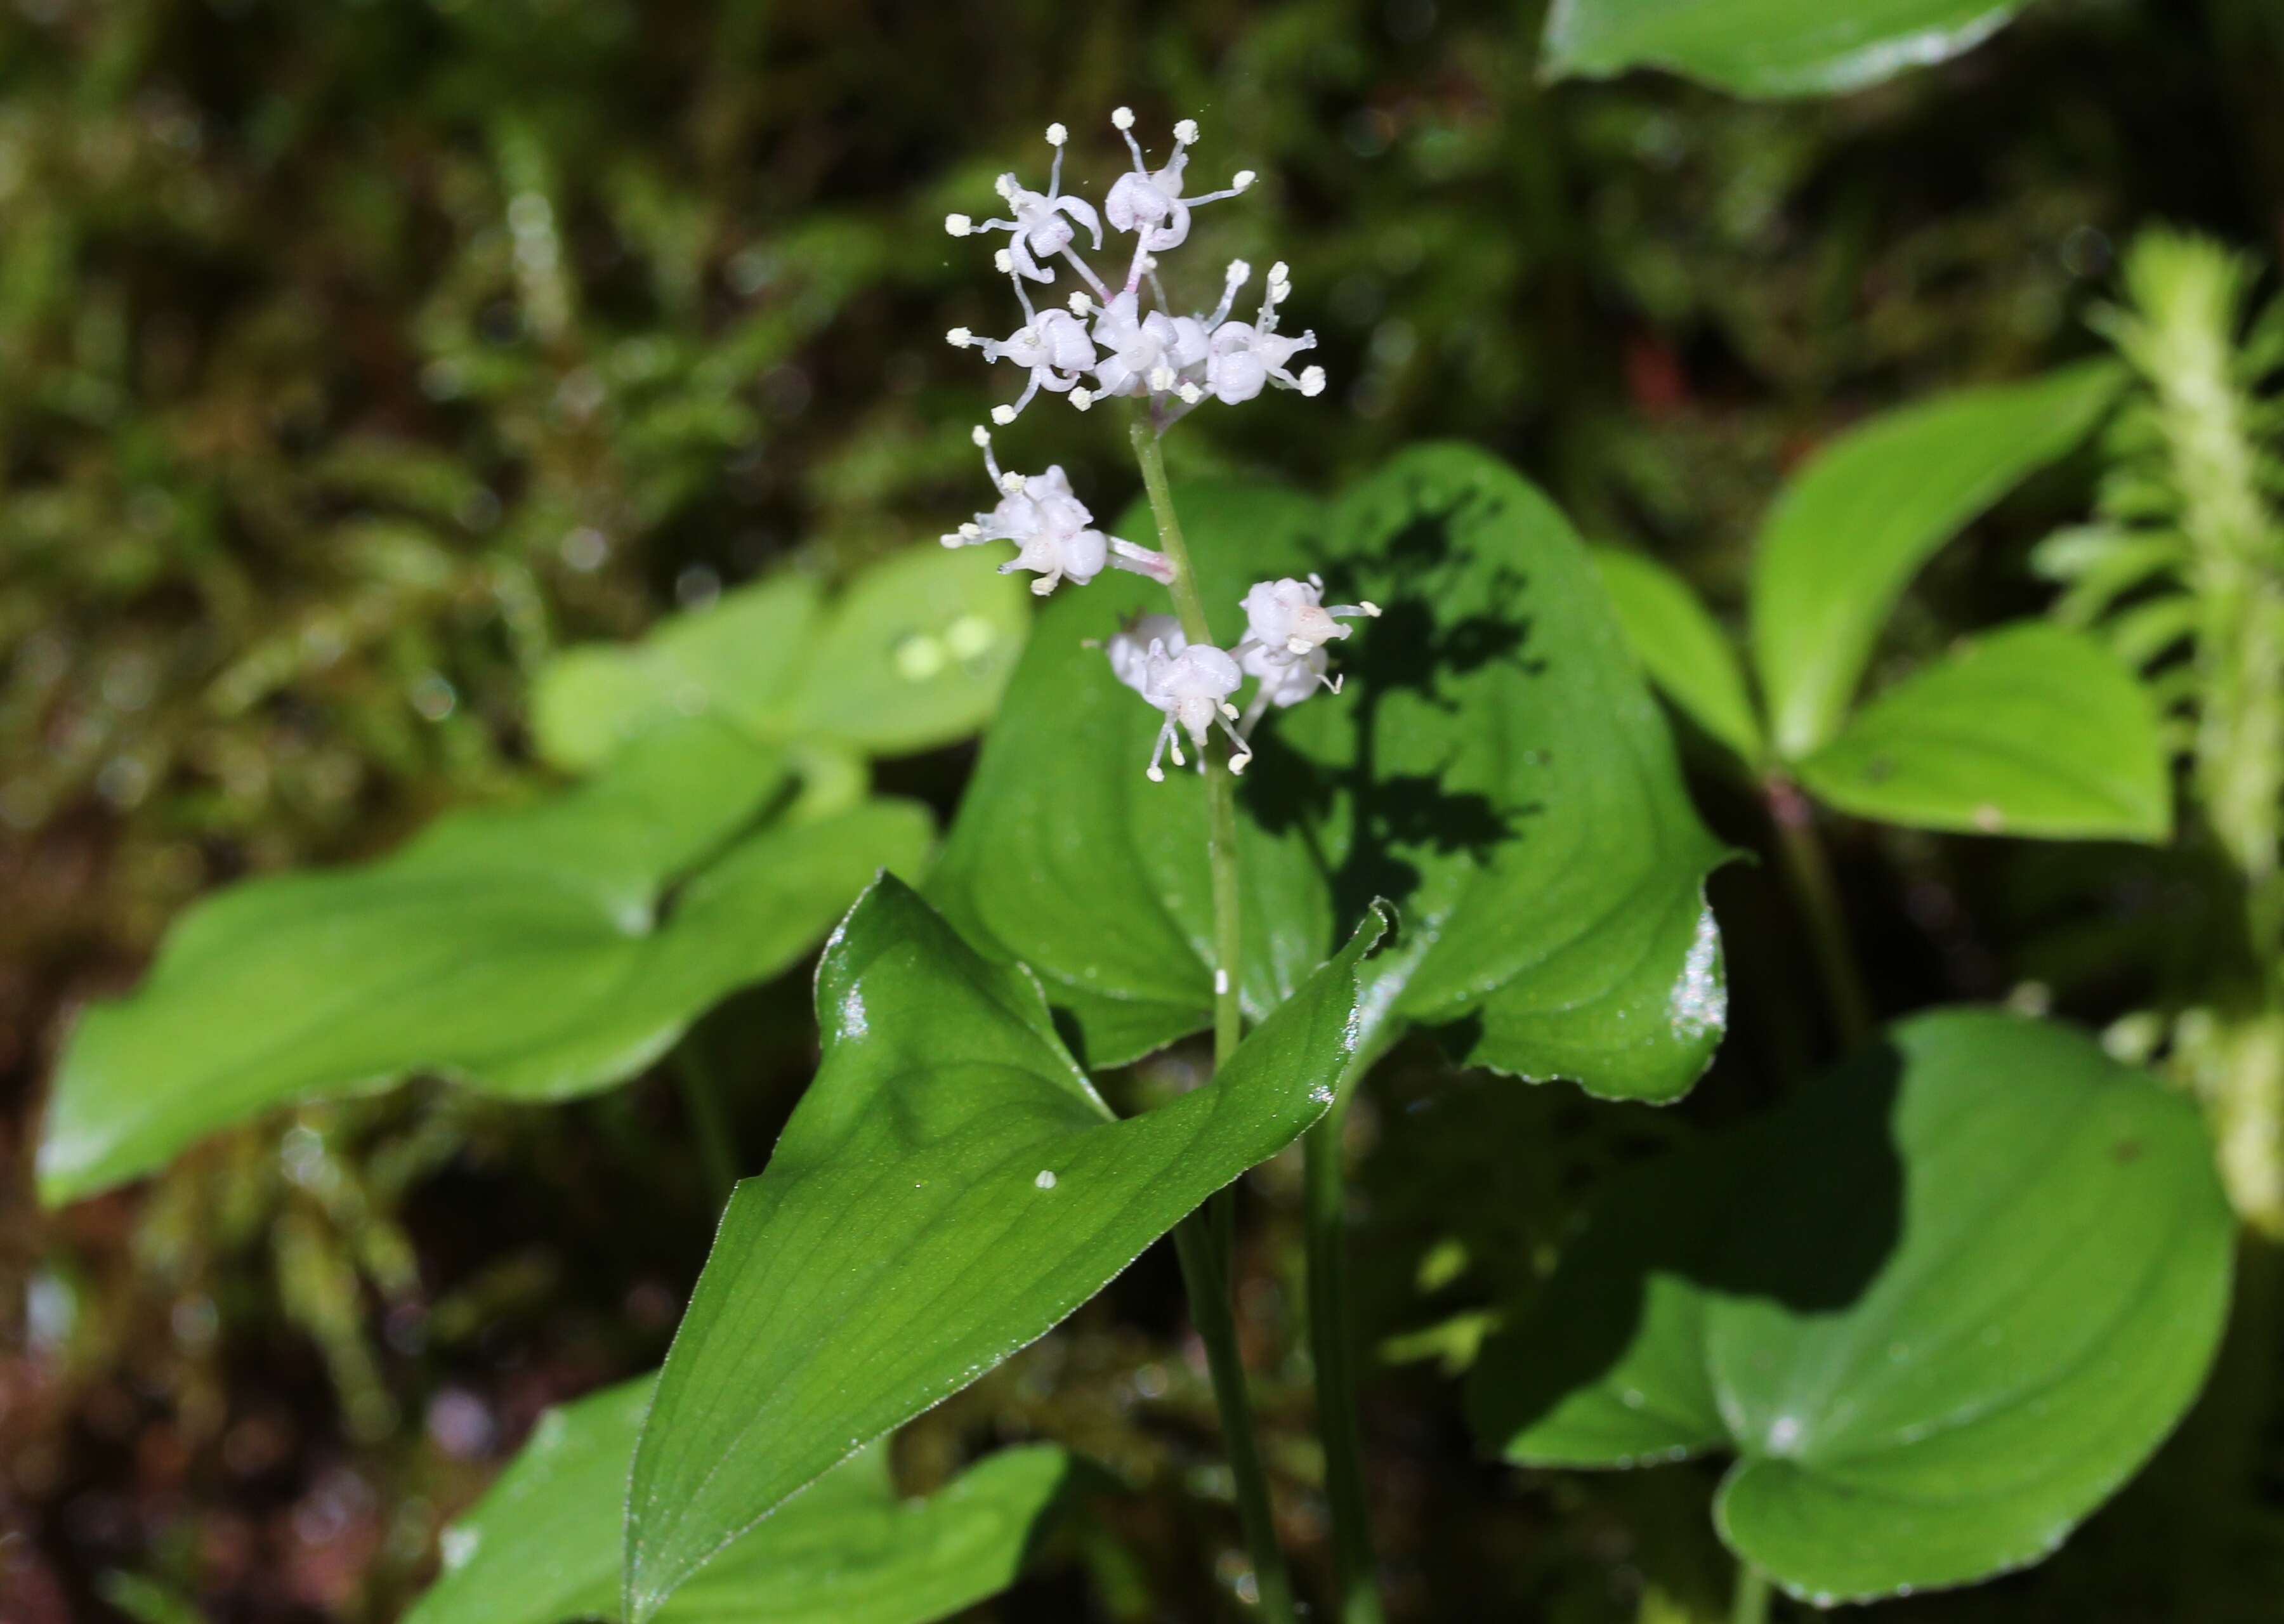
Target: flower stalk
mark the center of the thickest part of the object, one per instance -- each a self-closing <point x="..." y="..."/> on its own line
<point x="1108" y="341"/>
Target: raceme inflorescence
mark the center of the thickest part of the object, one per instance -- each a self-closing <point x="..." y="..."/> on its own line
<point x="1129" y="340"/>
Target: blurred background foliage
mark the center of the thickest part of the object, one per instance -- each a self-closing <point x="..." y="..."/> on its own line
<point x="353" y="356"/>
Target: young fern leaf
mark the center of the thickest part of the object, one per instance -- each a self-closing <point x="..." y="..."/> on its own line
<point x="2187" y="577"/>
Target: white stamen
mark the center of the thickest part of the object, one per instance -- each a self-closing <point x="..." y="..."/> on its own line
<point x="1238" y="763"/>
<point x="1237" y="274"/>
<point x="1369" y="607"/>
<point x="1012" y="483"/>
<point x="1081" y="398"/>
<point x="1187" y="132"/>
<point x="958" y="225"/>
<point x="1191" y="393"/>
<point x="1312" y="380"/>
<point x="979" y="435"/>
<point x="1002" y="416"/>
<point x="1156" y="775"/>
<point x="1242" y="179"/>
<point x="1081" y="305"/>
<point x="971" y="530"/>
<point x="1057" y="135"/>
<point x="959" y="338"/>
<point x="1003" y="263"/>
<point x="1122" y="118"/>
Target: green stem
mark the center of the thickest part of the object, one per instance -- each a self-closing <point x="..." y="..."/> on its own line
<point x="1333" y="1346"/>
<point x="701" y="1099"/>
<point x="1194" y="1244"/>
<point x="1204" y="1240"/>
<point x="1751" y="1604"/>
<point x="1809" y="870"/>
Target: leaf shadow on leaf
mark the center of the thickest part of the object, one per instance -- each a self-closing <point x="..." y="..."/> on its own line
<point x="1405" y="650"/>
<point x="1803" y="1209"/>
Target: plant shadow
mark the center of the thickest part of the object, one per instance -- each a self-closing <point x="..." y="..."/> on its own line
<point x="1416" y="647"/>
<point x="1802" y="1208"/>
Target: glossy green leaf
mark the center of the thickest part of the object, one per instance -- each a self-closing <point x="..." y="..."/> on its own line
<point x="949" y="1189"/>
<point x="543" y="1546"/>
<point x="1768" y="48"/>
<point x="2033" y="729"/>
<point x="541" y="950"/>
<point x="914" y="654"/>
<point x="1850" y="531"/>
<point x="1683" y="648"/>
<point x="1940" y="1306"/>
<point x="1494" y="765"/>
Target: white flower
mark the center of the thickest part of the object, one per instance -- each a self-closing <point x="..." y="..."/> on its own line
<point x="1286" y="627"/>
<point x="1045" y="222"/>
<point x="1246" y="355"/>
<point x="1053" y="347"/>
<point x="1149" y="202"/>
<point x="1053" y="532"/>
<point x="1128" y="647"/>
<point x="1288" y="617"/>
<point x="1145" y="355"/>
<point x="1192" y="688"/>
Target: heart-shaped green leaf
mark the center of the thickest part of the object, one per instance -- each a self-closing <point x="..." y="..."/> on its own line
<point x="1768" y="48"/>
<point x="541" y="951"/>
<point x="913" y="654"/>
<point x="543" y="1545"/>
<point x="1683" y="648"/>
<point x="1849" y="534"/>
<point x="1494" y="766"/>
<point x="949" y="1189"/>
<point x="2033" y="729"/>
<point x="1942" y="1305"/>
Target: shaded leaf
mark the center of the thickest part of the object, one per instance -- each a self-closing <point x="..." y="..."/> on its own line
<point x="541" y="950"/>
<point x="1850" y="531"/>
<point x="1768" y="48"/>
<point x="543" y="1545"/>
<point x="1940" y="1306"/>
<point x="1495" y="766"/>
<point x="2033" y="729"/>
<point x="949" y="1189"/>
<point x="1683" y="648"/>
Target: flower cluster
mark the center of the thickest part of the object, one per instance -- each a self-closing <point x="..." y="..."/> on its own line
<point x="1286" y="626"/>
<point x="1104" y="342"/>
<point x="1128" y="341"/>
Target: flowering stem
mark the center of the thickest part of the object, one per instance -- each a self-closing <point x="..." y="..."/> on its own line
<point x="1203" y="1239"/>
<point x="1332" y="1349"/>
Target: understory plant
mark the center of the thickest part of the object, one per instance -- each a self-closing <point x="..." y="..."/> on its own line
<point x="1936" y="1306"/>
